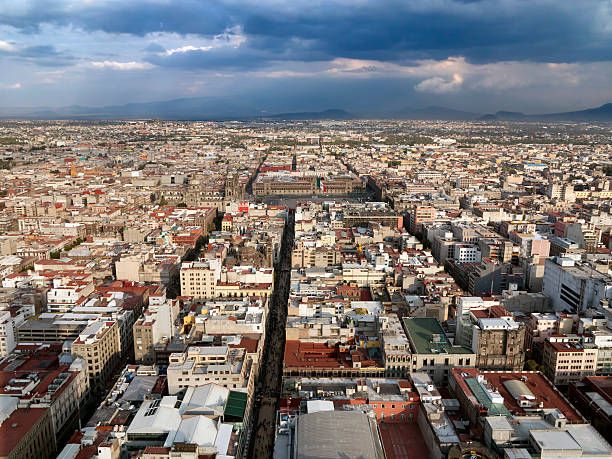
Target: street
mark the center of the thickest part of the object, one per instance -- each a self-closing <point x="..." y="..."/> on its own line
<point x="267" y="393"/>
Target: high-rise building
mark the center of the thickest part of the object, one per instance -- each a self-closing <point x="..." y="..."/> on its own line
<point x="499" y="343"/>
<point x="99" y="345"/>
<point x="574" y="287"/>
<point x="567" y="359"/>
<point x="7" y="333"/>
<point x="419" y="215"/>
<point x="155" y="325"/>
<point x="198" y="279"/>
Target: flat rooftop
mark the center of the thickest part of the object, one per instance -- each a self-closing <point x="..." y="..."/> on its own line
<point x="335" y="434"/>
<point x="374" y="389"/>
<point x="402" y="441"/>
<point x="300" y="354"/>
<point x="537" y="384"/>
<point x="428" y="337"/>
<point x="603" y="383"/>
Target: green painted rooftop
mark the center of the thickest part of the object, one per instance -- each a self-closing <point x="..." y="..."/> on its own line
<point x="236" y="404"/>
<point x="493" y="409"/>
<point x="421" y="332"/>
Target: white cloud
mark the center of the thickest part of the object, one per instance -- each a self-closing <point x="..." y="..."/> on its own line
<point x="233" y="37"/>
<point x="439" y="85"/>
<point x="284" y="74"/>
<point x="344" y="66"/>
<point x="6" y="46"/>
<point x="455" y="73"/>
<point x="121" y="65"/>
<point x="10" y="86"/>
<point x="186" y="49"/>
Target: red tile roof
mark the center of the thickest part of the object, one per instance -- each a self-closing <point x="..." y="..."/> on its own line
<point x="402" y="441"/>
<point x="250" y="344"/>
<point x="17" y="426"/>
<point x="319" y="355"/>
<point x="541" y="388"/>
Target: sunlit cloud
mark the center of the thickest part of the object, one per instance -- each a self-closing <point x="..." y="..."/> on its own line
<point x="6" y="46"/>
<point x="186" y="49"/>
<point x="122" y="65"/>
<point x="10" y="86"/>
<point x="439" y="85"/>
<point x="447" y="75"/>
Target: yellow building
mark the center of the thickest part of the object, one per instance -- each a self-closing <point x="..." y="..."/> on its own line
<point x="198" y="280"/>
<point x="99" y="344"/>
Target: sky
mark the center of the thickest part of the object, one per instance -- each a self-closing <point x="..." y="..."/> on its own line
<point x="366" y="56"/>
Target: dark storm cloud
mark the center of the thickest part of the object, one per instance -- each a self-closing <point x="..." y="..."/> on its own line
<point x="254" y="53"/>
<point x="220" y="58"/>
<point x="480" y="30"/>
<point x="39" y="51"/>
<point x="295" y="55"/>
<point x="132" y="17"/>
<point x="154" y="48"/>
<point x="43" y="55"/>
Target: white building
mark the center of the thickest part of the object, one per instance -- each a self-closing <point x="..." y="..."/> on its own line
<point x="7" y="333"/>
<point x="66" y="292"/>
<point x="573" y="286"/>
<point x="198" y="366"/>
<point x="196" y="420"/>
<point x="467" y="253"/>
<point x="465" y="304"/>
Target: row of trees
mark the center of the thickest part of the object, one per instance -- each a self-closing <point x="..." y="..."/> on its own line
<point x="56" y="255"/>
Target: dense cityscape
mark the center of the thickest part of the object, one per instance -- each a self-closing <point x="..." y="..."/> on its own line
<point x="305" y="289"/>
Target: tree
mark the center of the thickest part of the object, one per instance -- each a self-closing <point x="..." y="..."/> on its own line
<point x="190" y="255"/>
<point x="199" y="243"/>
<point x="163" y="201"/>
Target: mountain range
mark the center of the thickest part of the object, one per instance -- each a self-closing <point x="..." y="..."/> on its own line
<point x="219" y="109"/>
<point x="599" y="114"/>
